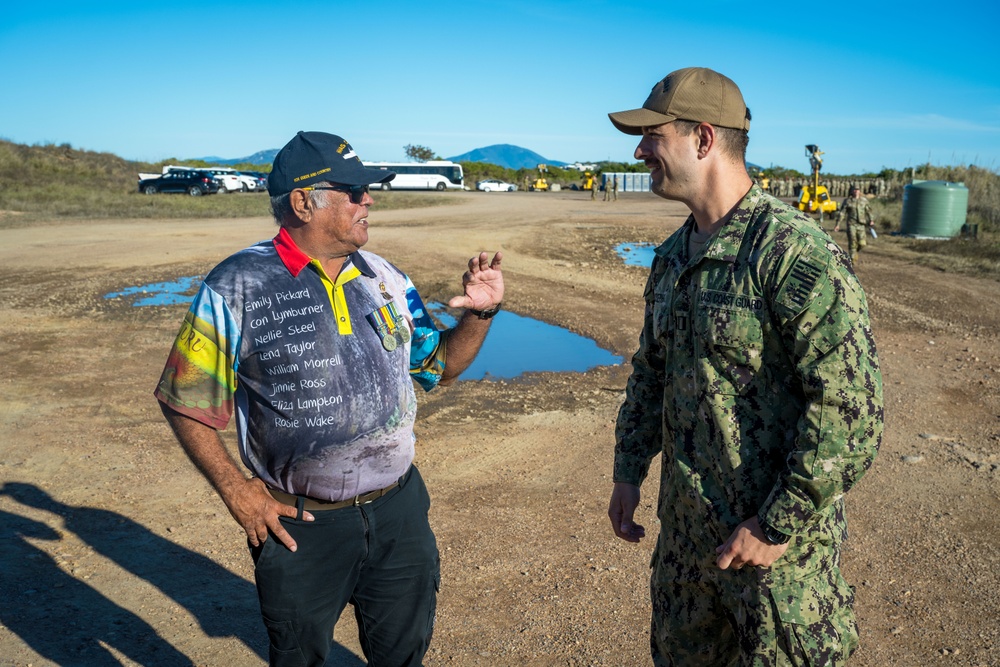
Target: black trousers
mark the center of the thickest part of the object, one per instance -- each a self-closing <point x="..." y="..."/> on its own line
<point x="381" y="558"/>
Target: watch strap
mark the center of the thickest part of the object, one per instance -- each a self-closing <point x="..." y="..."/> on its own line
<point x="485" y="314"/>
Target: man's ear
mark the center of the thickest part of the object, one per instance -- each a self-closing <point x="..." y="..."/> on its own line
<point x="301" y="203"/>
<point x="706" y="139"/>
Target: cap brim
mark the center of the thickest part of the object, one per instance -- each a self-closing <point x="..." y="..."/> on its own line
<point x="632" y="122"/>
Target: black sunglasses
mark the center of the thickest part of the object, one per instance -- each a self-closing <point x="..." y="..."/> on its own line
<point x="357" y="192"/>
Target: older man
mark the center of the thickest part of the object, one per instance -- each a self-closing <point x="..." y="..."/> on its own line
<point x="757" y="380"/>
<point x="313" y="342"/>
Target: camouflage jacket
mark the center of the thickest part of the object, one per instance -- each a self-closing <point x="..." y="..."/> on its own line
<point x="856" y="211"/>
<point x="756" y="375"/>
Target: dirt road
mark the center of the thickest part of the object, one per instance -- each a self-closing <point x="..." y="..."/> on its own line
<point x="115" y="551"/>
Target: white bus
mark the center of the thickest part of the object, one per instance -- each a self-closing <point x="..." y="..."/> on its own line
<point x="430" y="175"/>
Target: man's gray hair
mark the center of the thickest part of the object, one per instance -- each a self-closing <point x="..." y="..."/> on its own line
<point x="281" y="207"/>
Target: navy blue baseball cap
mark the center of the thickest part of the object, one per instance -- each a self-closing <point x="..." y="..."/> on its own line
<point x="311" y="157"/>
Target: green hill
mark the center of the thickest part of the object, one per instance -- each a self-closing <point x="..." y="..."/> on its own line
<point x="43" y="182"/>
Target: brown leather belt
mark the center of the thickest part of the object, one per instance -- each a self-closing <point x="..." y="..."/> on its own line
<point x="319" y="505"/>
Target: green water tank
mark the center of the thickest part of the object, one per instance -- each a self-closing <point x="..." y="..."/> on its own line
<point x="934" y="209"/>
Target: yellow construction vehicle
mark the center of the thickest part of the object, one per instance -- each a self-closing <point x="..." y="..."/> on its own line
<point x="588" y="181"/>
<point x="540" y="183"/>
<point x="815" y="198"/>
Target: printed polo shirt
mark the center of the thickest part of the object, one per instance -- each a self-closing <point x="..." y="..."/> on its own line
<point x="317" y="369"/>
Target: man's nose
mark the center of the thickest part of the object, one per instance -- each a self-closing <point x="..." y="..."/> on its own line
<point x="640" y="149"/>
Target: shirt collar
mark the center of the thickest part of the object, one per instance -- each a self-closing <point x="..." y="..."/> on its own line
<point x="724" y="244"/>
<point x="295" y="260"/>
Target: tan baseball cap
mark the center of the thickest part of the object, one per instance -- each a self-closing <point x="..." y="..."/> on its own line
<point x="694" y="93"/>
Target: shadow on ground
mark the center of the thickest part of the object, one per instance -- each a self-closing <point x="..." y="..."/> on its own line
<point x="70" y="623"/>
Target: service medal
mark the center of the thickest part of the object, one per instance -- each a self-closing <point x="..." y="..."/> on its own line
<point x="390" y="325"/>
<point x="402" y="330"/>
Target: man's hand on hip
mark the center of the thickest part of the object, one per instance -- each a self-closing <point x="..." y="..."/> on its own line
<point x="257" y="512"/>
<point x="624" y="500"/>
<point x="747" y="546"/>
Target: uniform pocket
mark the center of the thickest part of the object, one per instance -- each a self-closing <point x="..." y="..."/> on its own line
<point x="730" y="354"/>
<point x="284" y="649"/>
<point x="816" y="623"/>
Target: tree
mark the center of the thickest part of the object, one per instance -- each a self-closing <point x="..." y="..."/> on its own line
<point x="418" y="153"/>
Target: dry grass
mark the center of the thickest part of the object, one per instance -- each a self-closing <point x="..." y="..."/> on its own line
<point x="50" y="182"/>
<point x="46" y="182"/>
<point x="979" y="255"/>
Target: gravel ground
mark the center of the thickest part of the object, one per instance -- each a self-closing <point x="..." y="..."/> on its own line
<point x="117" y="552"/>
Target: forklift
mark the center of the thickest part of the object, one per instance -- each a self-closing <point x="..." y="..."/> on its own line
<point x="815" y="198"/>
<point x="540" y="184"/>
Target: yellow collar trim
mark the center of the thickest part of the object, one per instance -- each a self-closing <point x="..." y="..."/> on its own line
<point x="335" y="290"/>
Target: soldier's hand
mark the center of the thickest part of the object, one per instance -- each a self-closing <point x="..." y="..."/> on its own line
<point x="624" y="500"/>
<point x="257" y="512"/>
<point x="748" y="546"/>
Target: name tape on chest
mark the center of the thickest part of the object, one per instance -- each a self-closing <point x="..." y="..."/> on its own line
<point x="708" y="298"/>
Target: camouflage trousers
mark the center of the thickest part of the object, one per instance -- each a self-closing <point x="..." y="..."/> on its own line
<point x="752" y="617"/>
<point x="856" y="239"/>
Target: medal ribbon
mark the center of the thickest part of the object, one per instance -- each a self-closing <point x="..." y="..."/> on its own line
<point x="388" y="316"/>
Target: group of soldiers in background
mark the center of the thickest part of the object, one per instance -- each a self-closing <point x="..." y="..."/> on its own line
<point x="784" y="188"/>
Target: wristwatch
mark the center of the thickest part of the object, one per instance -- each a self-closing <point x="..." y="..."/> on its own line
<point x="771" y="534"/>
<point x="485" y="314"/>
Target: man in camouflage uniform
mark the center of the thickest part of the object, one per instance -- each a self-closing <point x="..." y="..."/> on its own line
<point x="858" y="213"/>
<point x="758" y="382"/>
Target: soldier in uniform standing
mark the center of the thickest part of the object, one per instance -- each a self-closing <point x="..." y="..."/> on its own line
<point x="757" y="381"/>
<point x="858" y="213"/>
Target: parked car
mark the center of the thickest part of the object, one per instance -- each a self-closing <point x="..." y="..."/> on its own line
<point x="195" y="183"/>
<point x="494" y="185"/>
<point x="248" y="183"/>
<point x="260" y="179"/>
<point x="228" y="179"/>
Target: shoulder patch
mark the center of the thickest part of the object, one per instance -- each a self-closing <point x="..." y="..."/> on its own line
<point x="801" y="281"/>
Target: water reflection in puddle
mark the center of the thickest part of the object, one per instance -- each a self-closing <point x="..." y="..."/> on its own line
<point x="636" y="254"/>
<point x="517" y="345"/>
<point x="181" y="290"/>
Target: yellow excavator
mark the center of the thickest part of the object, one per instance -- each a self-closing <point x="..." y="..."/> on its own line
<point x="589" y="182"/>
<point x="815" y="198"/>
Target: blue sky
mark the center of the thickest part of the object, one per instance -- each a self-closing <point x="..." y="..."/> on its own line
<point x="893" y="85"/>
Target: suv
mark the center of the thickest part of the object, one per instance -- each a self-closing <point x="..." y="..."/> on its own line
<point x="195" y="183"/>
<point x="228" y="180"/>
<point x="260" y="177"/>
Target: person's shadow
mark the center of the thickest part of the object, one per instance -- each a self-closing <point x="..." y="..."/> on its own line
<point x="62" y="618"/>
<point x="224" y="604"/>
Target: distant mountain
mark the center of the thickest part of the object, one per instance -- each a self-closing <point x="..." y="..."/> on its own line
<point x="506" y="155"/>
<point x="260" y="157"/>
